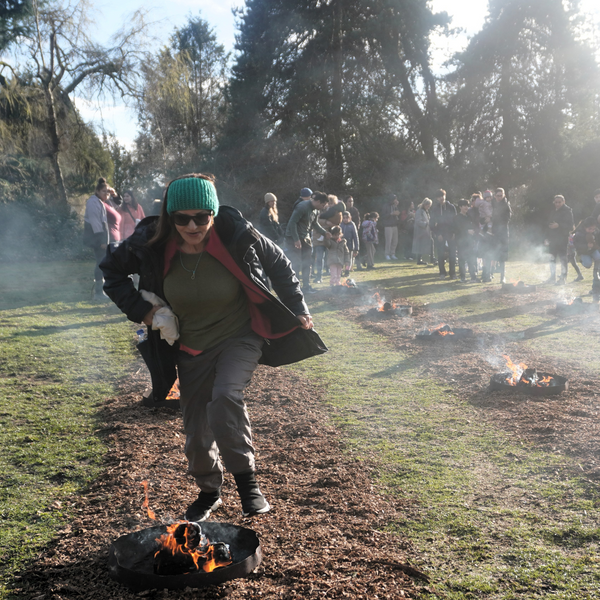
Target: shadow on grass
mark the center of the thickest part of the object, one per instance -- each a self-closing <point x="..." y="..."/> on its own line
<point x="50" y="329"/>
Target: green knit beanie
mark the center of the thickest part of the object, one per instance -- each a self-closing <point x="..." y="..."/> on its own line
<point x="192" y="193"/>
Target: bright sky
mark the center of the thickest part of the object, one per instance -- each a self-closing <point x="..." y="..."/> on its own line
<point x="121" y="120"/>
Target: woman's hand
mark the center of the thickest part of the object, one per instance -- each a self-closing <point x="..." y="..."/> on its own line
<point x="147" y="320"/>
<point x="306" y="321"/>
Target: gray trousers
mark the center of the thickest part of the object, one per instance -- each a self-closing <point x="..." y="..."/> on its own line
<point x="215" y="418"/>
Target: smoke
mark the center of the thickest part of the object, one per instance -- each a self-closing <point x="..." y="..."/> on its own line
<point x="533" y="252"/>
<point x="34" y="231"/>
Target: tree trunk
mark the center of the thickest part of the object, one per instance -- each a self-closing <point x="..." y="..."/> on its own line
<point x="61" y="189"/>
<point x="507" y="130"/>
<point x="333" y="139"/>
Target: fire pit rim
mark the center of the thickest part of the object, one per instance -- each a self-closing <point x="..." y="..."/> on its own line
<point x="139" y="580"/>
<point x="498" y="383"/>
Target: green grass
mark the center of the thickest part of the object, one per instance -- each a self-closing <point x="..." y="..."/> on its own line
<point x="491" y="518"/>
<point x="60" y="356"/>
<point x="485" y="308"/>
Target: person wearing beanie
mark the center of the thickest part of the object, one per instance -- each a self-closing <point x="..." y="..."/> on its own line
<point x="209" y="265"/>
<point x="268" y="219"/>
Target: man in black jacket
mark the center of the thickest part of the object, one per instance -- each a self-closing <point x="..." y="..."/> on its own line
<point x="560" y="226"/>
<point x="442" y="215"/>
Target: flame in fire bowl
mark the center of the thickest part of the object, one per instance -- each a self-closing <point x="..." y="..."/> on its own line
<point x="545" y="384"/>
<point x="390" y="311"/>
<point x="131" y="558"/>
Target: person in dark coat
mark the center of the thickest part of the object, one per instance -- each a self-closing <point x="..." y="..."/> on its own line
<point x="466" y="241"/>
<point x="497" y="237"/>
<point x="209" y="265"/>
<point x="442" y="215"/>
<point x="596" y="211"/>
<point x="268" y="219"/>
<point x="560" y="226"/>
<point x="586" y="241"/>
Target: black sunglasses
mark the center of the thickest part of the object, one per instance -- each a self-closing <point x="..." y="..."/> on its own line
<point x="200" y="219"/>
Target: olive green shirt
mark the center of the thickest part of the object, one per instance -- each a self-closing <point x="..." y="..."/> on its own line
<point x="211" y="307"/>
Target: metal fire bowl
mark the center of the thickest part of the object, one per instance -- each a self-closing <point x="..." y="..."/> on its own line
<point x="459" y="334"/>
<point x="131" y="558"/>
<point x="520" y="288"/>
<point x="498" y="382"/>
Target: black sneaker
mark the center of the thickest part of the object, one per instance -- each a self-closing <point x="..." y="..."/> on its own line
<point x="201" y="508"/>
<point x="253" y="502"/>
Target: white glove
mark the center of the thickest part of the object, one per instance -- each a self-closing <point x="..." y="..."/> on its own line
<point x="164" y="319"/>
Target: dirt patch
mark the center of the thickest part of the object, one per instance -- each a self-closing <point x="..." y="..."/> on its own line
<point x="322" y="538"/>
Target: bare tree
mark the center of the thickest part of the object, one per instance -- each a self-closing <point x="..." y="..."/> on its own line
<point x="60" y="54"/>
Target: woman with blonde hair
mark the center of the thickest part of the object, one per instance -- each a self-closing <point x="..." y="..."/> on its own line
<point x="268" y="220"/>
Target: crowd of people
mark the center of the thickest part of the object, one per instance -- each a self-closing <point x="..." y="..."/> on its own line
<point x="109" y="218"/>
<point x="467" y="240"/>
<point x="469" y="236"/>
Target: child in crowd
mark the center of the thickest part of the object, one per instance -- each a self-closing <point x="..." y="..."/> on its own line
<point x="350" y="234"/>
<point x="370" y="237"/>
<point x="465" y="232"/>
<point x="338" y="255"/>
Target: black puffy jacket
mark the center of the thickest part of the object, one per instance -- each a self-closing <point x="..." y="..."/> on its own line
<point x="256" y="256"/>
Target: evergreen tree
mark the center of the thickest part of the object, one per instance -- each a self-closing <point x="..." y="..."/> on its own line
<point x="524" y="93"/>
<point x="328" y="93"/>
<point x="13" y="17"/>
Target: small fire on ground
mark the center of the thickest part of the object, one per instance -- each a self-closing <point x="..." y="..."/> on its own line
<point x="441" y="329"/>
<point x="522" y="374"/>
<point x="184" y="548"/>
<point x="382" y="305"/>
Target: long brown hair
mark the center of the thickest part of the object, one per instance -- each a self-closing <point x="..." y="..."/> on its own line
<point x="134" y="202"/>
<point x="165" y="227"/>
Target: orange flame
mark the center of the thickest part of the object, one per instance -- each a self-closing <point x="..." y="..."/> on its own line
<point x="146" y="503"/>
<point x="174" y="391"/>
<point x="381" y="304"/>
<point x="517" y="370"/>
<point x="438" y="330"/>
<point x="379" y="301"/>
<point x="204" y="552"/>
<point x="545" y="381"/>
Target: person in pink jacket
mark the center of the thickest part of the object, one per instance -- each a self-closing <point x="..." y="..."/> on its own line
<point x="131" y="214"/>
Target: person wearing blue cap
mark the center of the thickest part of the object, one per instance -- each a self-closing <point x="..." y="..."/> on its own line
<point x="211" y="266"/>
